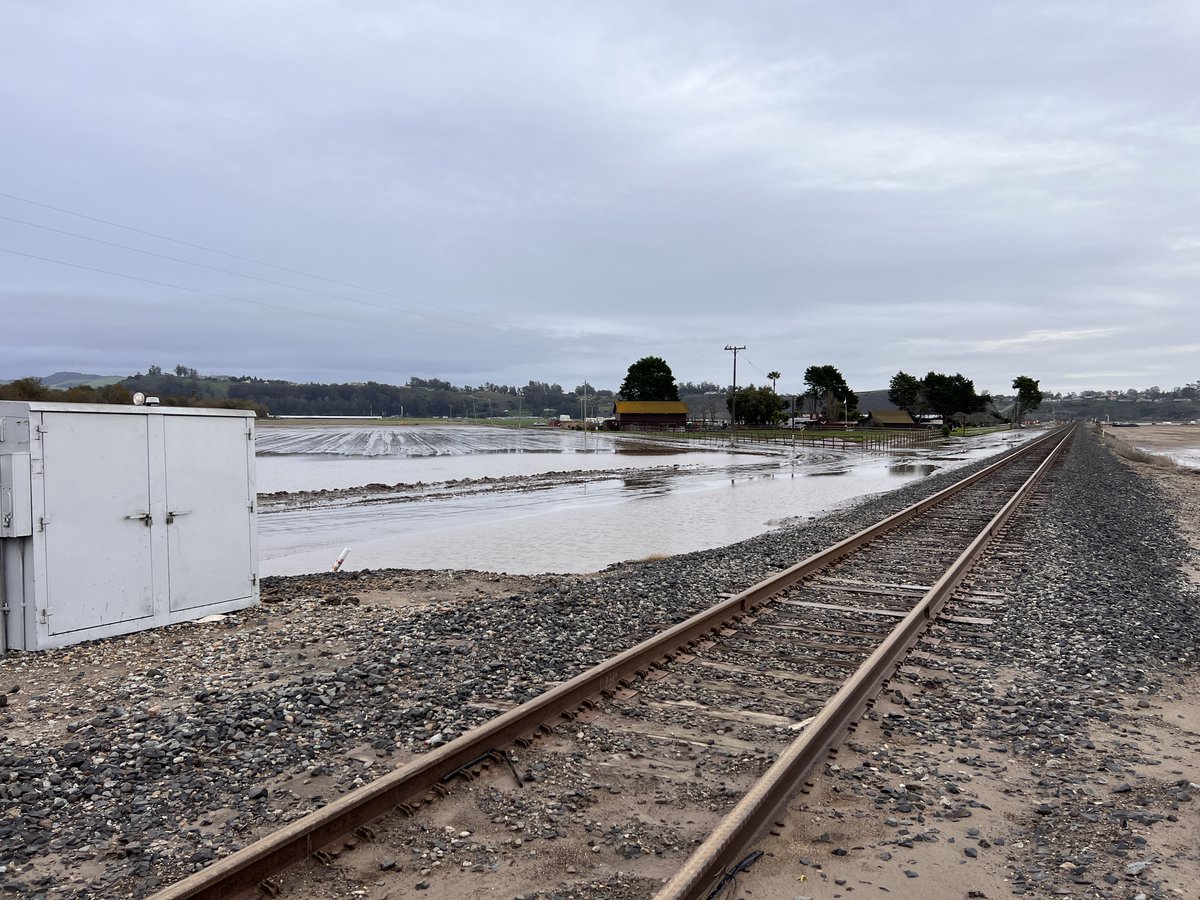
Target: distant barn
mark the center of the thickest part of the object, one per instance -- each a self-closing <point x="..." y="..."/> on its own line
<point x="656" y="414"/>
<point x="890" y="418"/>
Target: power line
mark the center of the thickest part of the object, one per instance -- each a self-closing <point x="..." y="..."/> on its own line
<point x="754" y="366"/>
<point x="220" y="296"/>
<point x="257" y="262"/>
<point x="188" y="262"/>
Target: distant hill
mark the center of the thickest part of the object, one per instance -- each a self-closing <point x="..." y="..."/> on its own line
<point x="63" y="380"/>
<point x="1169" y="409"/>
<point x="874" y="400"/>
<point x="1166" y="409"/>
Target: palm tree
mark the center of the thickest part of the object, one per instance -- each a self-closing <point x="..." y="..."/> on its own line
<point x="774" y="376"/>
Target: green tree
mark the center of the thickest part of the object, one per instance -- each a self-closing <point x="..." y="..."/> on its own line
<point x="825" y="385"/>
<point x="30" y="388"/>
<point x="904" y="391"/>
<point x="649" y="378"/>
<point x="756" y="406"/>
<point x="1028" y="396"/>
<point x="114" y="393"/>
<point x="33" y="389"/>
<point x="952" y="396"/>
<point x="774" y="376"/>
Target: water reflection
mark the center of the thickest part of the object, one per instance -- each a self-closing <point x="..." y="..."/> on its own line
<point x="643" y="483"/>
<point x="629" y="509"/>
<point x="912" y="469"/>
<point x="299" y="462"/>
<point x="628" y="449"/>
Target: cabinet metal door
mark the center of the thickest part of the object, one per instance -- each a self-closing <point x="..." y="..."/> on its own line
<point x="97" y="520"/>
<point x="207" y="511"/>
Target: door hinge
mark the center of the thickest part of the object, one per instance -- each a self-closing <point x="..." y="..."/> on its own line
<point x="43" y="615"/>
<point x="43" y="521"/>
<point x="253" y="578"/>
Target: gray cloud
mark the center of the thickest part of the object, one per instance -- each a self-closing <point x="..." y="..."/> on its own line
<point x="552" y="191"/>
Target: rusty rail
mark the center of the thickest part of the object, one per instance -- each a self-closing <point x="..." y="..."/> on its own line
<point x="729" y="841"/>
<point x="245" y="869"/>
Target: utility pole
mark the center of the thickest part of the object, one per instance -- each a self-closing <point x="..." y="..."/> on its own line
<point x="583" y="409"/>
<point x="733" y="402"/>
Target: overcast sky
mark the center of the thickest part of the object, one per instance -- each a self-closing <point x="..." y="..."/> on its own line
<point x="512" y="191"/>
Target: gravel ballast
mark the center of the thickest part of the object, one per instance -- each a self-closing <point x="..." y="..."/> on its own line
<point x="1058" y="752"/>
<point x="128" y="763"/>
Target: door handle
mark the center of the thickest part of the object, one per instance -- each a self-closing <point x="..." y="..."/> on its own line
<point x="177" y="512"/>
<point x="145" y="518"/>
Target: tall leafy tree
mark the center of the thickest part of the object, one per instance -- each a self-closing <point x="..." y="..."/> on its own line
<point x="904" y="391"/>
<point x="1028" y="396"/>
<point x="649" y="378"/>
<point x="952" y="396"/>
<point x="824" y="384"/>
<point x="756" y="405"/>
<point x="28" y="388"/>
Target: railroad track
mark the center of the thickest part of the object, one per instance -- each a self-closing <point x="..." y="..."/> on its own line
<point x="704" y="730"/>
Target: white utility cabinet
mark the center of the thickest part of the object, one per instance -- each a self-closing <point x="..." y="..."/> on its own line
<point x="119" y="518"/>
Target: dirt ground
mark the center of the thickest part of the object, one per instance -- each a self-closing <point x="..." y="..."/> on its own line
<point x="1158" y="437"/>
<point x="1168" y="726"/>
<point x="1004" y="789"/>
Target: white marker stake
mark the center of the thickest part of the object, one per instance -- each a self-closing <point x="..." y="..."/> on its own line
<point x="341" y="559"/>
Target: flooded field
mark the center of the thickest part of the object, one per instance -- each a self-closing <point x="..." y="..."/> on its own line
<point x="1178" y="442"/>
<point x="305" y="459"/>
<point x="635" y="501"/>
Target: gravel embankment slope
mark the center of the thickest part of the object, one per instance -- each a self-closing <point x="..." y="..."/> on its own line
<point x="1060" y="755"/>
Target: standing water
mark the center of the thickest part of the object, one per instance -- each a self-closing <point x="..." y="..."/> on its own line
<point x="634" y="503"/>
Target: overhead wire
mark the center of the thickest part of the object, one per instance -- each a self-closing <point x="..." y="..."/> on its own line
<point x="263" y="303"/>
<point x="258" y="262"/>
<point x="753" y="365"/>
<point x="199" y="265"/>
<point x="249" y="259"/>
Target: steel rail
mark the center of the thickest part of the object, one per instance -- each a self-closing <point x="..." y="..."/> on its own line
<point x="246" y="868"/>
<point x="730" y="840"/>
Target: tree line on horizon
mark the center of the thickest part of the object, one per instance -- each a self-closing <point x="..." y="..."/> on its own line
<point x="31" y="389"/>
<point x="826" y="395"/>
<point x="418" y="398"/>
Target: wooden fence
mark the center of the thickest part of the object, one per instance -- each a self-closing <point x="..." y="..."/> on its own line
<point x="864" y="439"/>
